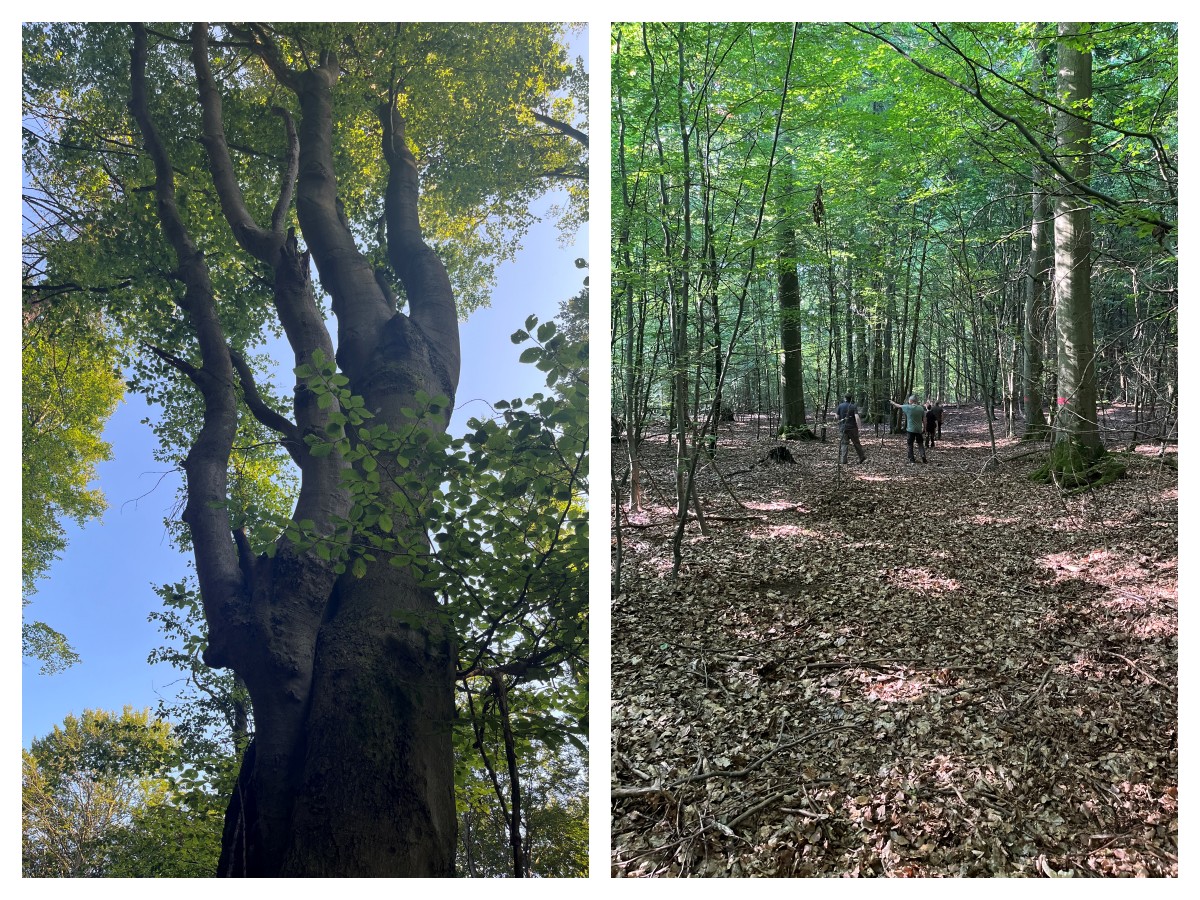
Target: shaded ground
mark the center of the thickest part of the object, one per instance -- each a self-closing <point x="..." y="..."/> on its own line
<point x="898" y="670"/>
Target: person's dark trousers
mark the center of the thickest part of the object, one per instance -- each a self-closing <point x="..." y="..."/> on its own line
<point x="929" y="439"/>
<point x="915" y="436"/>
<point x="851" y="434"/>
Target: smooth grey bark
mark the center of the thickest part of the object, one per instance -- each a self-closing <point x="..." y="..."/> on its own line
<point x="1076" y="400"/>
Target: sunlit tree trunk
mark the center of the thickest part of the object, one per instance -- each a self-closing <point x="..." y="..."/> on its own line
<point x="1076" y="418"/>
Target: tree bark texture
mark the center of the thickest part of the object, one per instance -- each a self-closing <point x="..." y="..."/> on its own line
<point x="792" y="382"/>
<point x="351" y="769"/>
<point x="1076" y="401"/>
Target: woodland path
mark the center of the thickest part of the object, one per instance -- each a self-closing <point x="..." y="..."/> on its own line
<point x="898" y="670"/>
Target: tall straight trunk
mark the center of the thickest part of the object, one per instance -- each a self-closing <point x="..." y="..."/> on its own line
<point x="1077" y="414"/>
<point x="1037" y="284"/>
<point x="680" y="300"/>
<point x="848" y="331"/>
<point x="630" y="382"/>
<point x="792" y="381"/>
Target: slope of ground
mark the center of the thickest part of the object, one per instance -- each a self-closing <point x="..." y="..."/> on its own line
<point x="895" y="669"/>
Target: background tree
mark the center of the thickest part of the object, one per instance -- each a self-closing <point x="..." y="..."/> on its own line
<point x="921" y="265"/>
<point x="85" y="789"/>
<point x="328" y="614"/>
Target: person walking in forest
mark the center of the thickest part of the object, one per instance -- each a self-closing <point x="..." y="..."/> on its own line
<point x="915" y="413"/>
<point x="931" y="423"/>
<point x="848" y="425"/>
<point x="938" y="411"/>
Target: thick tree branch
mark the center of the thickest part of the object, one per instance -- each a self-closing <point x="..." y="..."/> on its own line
<point x="255" y="240"/>
<point x="292" y="440"/>
<point x="430" y="296"/>
<point x="264" y="47"/>
<point x="361" y="308"/>
<point x="206" y="513"/>
<point x="1044" y="154"/>
<point x="569" y="130"/>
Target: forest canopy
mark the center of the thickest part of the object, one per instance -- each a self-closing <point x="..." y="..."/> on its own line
<point x="802" y="211"/>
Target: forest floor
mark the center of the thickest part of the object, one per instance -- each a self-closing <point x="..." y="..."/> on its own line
<point x="895" y="669"/>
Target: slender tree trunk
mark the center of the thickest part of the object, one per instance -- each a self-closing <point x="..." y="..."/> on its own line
<point x="1037" y="291"/>
<point x="1037" y="283"/>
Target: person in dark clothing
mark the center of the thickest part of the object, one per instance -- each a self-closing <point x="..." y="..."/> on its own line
<point x="931" y="423"/>
<point x="848" y="423"/>
<point x="937" y="408"/>
<point x="915" y="414"/>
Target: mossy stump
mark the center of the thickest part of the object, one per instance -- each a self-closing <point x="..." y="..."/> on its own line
<point x="796" y="433"/>
<point x="1074" y="467"/>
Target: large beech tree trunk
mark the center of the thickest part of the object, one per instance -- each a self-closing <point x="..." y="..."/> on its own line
<point x="351" y="769"/>
<point x="1076" y="417"/>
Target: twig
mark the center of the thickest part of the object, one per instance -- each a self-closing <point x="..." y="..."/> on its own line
<point x="1134" y="666"/>
<point x="756" y="807"/>
<point x="740" y="773"/>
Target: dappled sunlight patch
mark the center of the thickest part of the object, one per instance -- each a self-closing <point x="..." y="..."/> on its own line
<point x="1083" y="665"/>
<point x="1135" y="618"/>
<point x="891" y="687"/>
<point x="995" y="520"/>
<point x="769" y="505"/>
<point x="649" y="514"/>
<point x="923" y="581"/>
<point x="772" y="532"/>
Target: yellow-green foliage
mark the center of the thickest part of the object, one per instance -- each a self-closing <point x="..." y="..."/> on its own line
<point x="70" y="387"/>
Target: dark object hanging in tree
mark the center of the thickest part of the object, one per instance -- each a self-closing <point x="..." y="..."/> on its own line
<point x="818" y="207"/>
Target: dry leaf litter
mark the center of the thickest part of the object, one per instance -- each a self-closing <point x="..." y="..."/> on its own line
<point x="897" y="669"/>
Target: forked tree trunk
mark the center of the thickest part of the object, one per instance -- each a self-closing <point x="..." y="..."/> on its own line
<point x="352" y="679"/>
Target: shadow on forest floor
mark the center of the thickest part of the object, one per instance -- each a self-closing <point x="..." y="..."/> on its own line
<point x="897" y="670"/>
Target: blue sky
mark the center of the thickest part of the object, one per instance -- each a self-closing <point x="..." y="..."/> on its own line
<point x="100" y="593"/>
